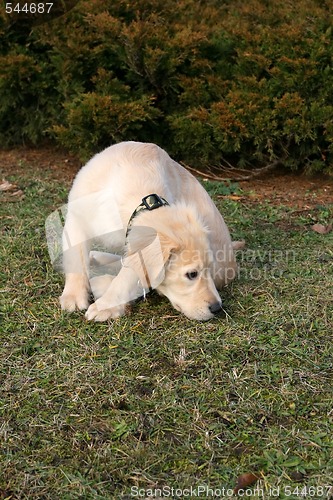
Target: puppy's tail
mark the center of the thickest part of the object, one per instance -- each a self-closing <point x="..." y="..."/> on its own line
<point x="238" y="245"/>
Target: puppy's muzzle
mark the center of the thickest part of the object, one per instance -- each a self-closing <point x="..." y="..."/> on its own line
<point x="215" y="308"/>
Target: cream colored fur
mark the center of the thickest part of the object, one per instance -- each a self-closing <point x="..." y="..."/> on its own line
<point x="184" y="250"/>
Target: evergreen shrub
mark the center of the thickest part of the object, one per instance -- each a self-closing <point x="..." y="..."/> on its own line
<point x="212" y="82"/>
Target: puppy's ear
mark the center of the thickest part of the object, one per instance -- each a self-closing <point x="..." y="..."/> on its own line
<point x="147" y="251"/>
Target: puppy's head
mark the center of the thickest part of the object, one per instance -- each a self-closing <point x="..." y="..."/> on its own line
<point x="169" y="250"/>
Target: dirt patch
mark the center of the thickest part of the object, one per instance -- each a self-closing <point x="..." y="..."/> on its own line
<point x="290" y="189"/>
<point x="51" y="161"/>
<point x="295" y="190"/>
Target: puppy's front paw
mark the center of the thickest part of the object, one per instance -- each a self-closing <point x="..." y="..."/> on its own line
<point x="70" y="302"/>
<point x="97" y="312"/>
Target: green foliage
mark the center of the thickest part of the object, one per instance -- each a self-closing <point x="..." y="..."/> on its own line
<point x="215" y="188"/>
<point x="109" y="112"/>
<point x="24" y="111"/>
<point x="243" y="82"/>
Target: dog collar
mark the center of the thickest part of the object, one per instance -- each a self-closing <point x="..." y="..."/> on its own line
<point x="150" y="202"/>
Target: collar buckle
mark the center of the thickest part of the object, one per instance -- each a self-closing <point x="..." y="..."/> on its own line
<point x="153" y="201"/>
<point x="150" y="202"/>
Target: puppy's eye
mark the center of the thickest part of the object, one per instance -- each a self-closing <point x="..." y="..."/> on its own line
<point x="192" y="275"/>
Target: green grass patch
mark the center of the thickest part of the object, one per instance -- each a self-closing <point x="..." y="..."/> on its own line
<point x="154" y="400"/>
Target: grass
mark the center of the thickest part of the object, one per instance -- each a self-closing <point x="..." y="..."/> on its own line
<point x="153" y="400"/>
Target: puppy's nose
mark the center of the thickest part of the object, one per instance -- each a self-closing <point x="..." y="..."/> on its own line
<point x="215" y="308"/>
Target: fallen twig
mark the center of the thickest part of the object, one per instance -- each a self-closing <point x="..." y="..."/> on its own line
<point x="238" y="177"/>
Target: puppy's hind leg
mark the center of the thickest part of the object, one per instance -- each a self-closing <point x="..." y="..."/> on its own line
<point x="100" y="284"/>
<point x="104" y="263"/>
<point x="104" y="267"/>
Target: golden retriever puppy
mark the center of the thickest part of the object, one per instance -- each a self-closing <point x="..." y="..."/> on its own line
<point x="160" y="228"/>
